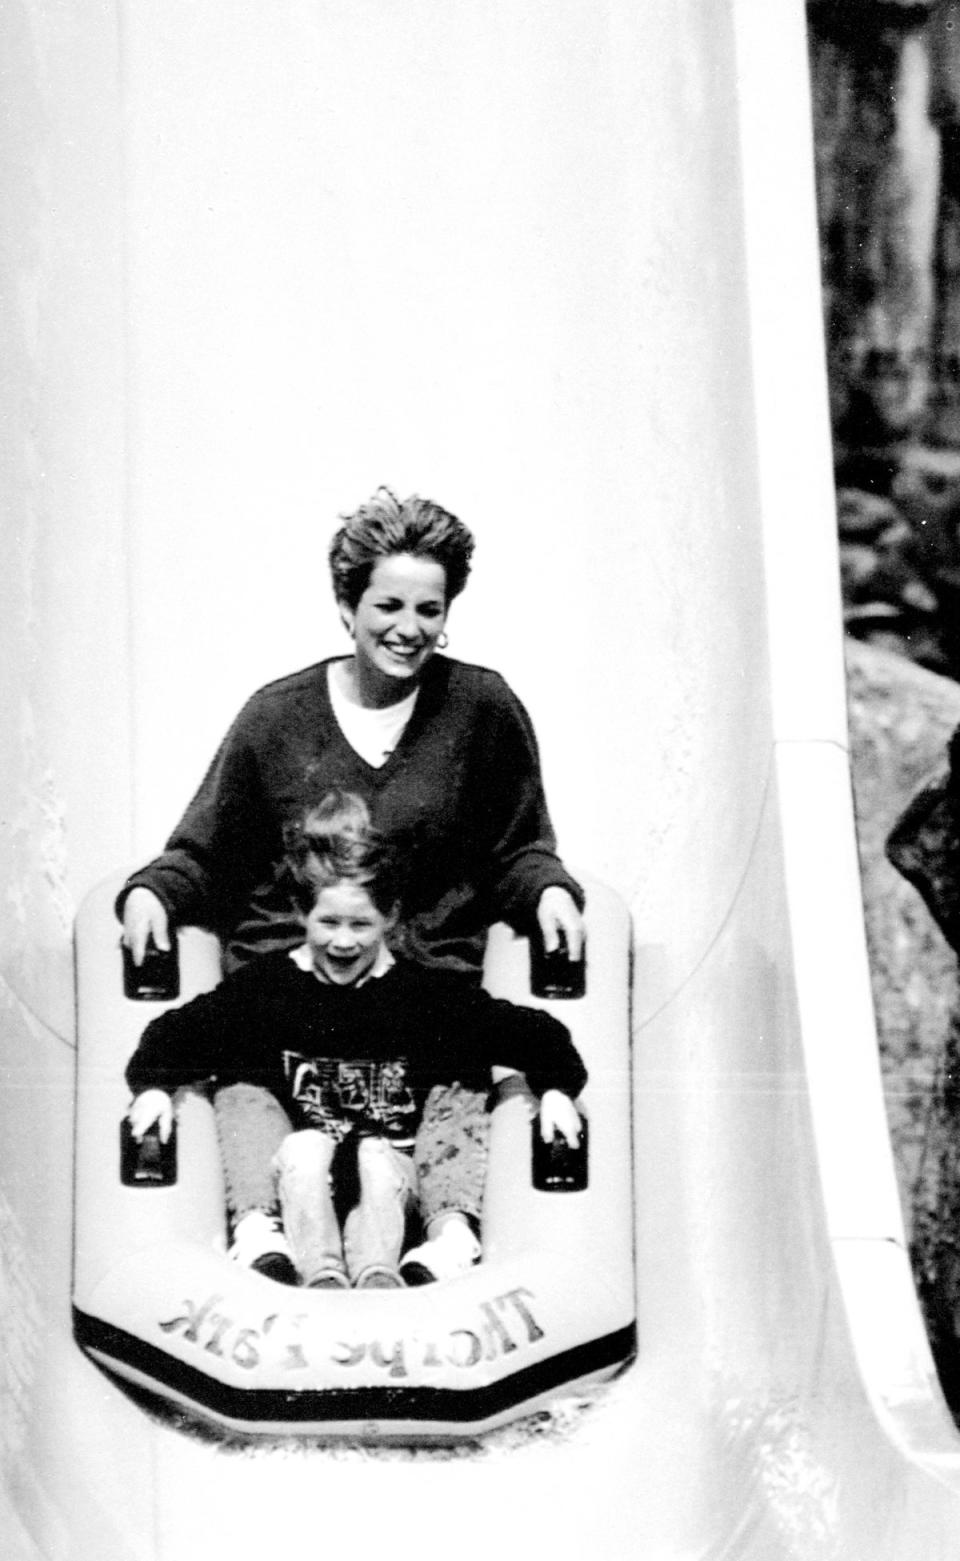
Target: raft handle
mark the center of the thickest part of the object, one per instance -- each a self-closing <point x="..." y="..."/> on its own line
<point x="556" y="974"/>
<point x="558" y="1167"/>
<point x="147" y="1161"/>
<point x="157" y="978"/>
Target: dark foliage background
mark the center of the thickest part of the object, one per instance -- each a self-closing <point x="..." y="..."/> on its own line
<point x="886" y="102"/>
<point x="886" y="105"/>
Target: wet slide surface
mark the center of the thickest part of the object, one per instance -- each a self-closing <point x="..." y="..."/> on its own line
<point x="781" y="1405"/>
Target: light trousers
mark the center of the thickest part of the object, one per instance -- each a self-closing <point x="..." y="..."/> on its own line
<point x="373" y="1231"/>
<point x="450" y="1153"/>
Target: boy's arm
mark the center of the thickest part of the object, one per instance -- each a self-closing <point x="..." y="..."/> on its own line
<point x="494" y="1032"/>
<point x="558" y="1114"/>
<point x="187" y="1044"/>
<point x="149" y="1107"/>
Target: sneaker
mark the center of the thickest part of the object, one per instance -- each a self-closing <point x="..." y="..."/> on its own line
<point x="453" y="1252"/>
<point x="378" y="1276"/>
<point x="259" y="1243"/>
<point x="329" y="1279"/>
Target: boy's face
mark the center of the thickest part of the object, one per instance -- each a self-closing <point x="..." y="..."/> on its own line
<point x="345" y="933"/>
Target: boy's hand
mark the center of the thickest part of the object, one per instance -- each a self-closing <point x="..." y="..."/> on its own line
<point x="557" y="915"/>
<point x="152" y="1105"/>
<point x="558" y="1114"/>
<point x="144" y="916"/>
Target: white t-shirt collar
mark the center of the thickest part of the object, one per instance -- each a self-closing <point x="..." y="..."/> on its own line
<point x="303" y="959"/>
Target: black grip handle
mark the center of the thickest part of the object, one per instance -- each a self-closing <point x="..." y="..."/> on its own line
<point x="557" y="1165"/>
<point x="147" y="1161"/>
<point x="556" y="974"/>
<point x="157" y="978"/>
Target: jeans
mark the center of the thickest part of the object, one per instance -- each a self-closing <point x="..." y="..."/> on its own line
<point x="450" y="1153"/>
<point x="374" y="1228"/>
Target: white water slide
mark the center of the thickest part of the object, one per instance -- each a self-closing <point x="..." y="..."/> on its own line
<point x="555" y="265"/>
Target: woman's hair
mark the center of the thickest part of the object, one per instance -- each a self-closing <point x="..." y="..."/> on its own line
<point x="385" y="526"/>
<point x="335" y="842"/>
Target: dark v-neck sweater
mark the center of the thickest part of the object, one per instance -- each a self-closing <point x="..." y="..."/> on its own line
<point x="461" y="796"/>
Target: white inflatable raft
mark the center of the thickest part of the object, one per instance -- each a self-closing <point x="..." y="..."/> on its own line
<point x="157" y="1302"/>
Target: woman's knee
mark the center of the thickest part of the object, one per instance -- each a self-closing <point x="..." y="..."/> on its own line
<point x="249" y="1108"/>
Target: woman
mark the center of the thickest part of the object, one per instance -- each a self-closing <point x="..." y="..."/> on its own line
<point x="442" y="752"/>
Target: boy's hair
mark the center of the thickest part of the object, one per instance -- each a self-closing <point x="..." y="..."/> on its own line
<point x="335" y="842"/>
<point x="385" y="526"/>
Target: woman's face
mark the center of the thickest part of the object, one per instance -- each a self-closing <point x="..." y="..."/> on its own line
<point x="399" y="617"/>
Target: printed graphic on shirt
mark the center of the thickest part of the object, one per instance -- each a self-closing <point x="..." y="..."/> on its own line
<point x="335" y="1095"/>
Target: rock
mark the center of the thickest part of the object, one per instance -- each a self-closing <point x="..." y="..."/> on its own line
<point x="927" y="493"/>
<point x="861" y="516"/>
<point x="900" y="570"/>
<point x="900" y="720"/>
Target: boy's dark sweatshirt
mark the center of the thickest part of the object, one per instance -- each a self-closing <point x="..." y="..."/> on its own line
<point x="270" y="1021"/>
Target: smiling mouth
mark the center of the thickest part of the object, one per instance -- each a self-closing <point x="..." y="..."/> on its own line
<point x="348" y="969"/>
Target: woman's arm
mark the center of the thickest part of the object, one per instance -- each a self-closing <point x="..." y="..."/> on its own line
<point x="560" y="921"/>
<point x="213" y="857"/>
<point x="144" y="918"/>
<point x="528" y="882"/>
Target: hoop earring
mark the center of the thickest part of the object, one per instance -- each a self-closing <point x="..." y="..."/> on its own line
<point x="443" y="640"/>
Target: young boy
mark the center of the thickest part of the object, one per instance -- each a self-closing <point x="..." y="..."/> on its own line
<point x="348" y="1040"/>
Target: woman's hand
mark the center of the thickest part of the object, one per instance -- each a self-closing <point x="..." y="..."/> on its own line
<point x="149" y="1107"/>
<point x="559" y="920"/>
<point x="144" y="917"/>
<point x="558" y="1114"/>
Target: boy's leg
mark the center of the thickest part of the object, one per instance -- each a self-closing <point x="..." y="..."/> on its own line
<point x="374" y="1230"/>
<point x="450" y="1156"/>
<point x="309" y="1221"/>
<point x="251" y="1126"/>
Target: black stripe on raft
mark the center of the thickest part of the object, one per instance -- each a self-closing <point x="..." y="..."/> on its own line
<point x="329" y="1405"/>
